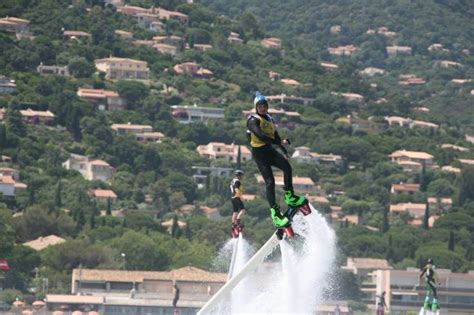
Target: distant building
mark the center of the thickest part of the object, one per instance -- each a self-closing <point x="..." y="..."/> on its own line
<point x="124" y="35"/>
<point x="416" y="210"/>
<point x="404" y="189"/>
<point x="347" y="50"/>
<point x="107" y="291"/>
<point x="9" y="185"/>
<point x="234" y="38"/>
<point x="77" y="35"/>
<point x="413" y="160"/>
<point x="363" y="266"/>
<point x="352" y="97"/>
<point x="103" y="99"/>
<point x="371" y="71"/>
<point x="15" y="25"/>
<point x="271" y="42"/>
<point x="188" y="114"/>
<point x="283" y="98"/>
<point x="202" y="173"/>
<point x="104" y="195"/>
<point x="303" y="155"/>
<point x="193" y="69"/>
<point x="123" y="68"/>
<point x="122" y="129"/>
<point x="219" y="150"/>
<point x="56" y="70"/>
<point x="398" y="50"/>
<point x="7" y="85"/>
<point x="30" y="116"/>
<point x="90" y="169"/>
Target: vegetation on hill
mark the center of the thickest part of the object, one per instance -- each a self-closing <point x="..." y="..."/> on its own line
<point x="153" y="181"/>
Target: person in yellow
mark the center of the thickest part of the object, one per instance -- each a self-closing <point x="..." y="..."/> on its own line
<point x="263" y="136"/>
<point x="236" y="191"/>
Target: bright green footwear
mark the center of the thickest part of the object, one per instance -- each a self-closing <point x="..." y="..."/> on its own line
<point x="434" y="306"/>
<point x="279" y="220"/>
<point x="293" y="200"/>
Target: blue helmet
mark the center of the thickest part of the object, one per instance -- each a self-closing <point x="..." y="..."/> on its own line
<point x="259" y="98"/>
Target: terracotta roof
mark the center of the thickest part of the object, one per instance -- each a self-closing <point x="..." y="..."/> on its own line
<point x="466" y="161"/>
<point x="169" y="223"/>
<point x="105" y="193"/>
<point x="29" y="113"/>
<point x="7" y="179"/>
<point x="131" y="126"/>
<point x="406" y="187"/>
<point x="96" y="93"/>
<point x="76" y="33"/>
<point x="43" y="242"/>
<point x="117" y="59"/>
<point x="412" y="154"/>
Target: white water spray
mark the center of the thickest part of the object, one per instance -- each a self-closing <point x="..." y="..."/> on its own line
<point x="293" y="285"/>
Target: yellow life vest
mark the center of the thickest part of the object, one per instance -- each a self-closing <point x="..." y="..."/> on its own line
<point x="267" y="128"/>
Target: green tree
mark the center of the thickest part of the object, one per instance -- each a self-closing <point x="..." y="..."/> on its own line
<point x="133" y="92"/>
<point x="80" y="67"/>
<point x="466" y="189"/>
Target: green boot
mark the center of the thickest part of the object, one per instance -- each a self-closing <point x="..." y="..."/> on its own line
<point x="427" y="305"/>
<point x="434" y="305"/>
<point x="293" y="200"/>
<point x="279" y="220"/>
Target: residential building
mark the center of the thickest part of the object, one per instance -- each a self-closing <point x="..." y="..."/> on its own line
<point x="14" y="24"/>
<point x="416" y="210"/>
<point x="398" y="50"/>
<point x="7" y="171"/>
<point x="124" y="35"/>
<point x="202" y="173"/>
<point x="283" y="98"/>
<point x="7" y="85"/>
<point x="123" y="68"/>
<point x="234" y="38"/>
<point x="201" y="47"/>
<point x="90" y="169"/>
<point x="301" y="185"/>
<point x="363" y="266"/>
<point x="188" y="114"/>
<point x="409" y="123"/>
<point x="30" y="116"/>
<point x="44" y="241"/>
<point x="77" y="35"/>
<point x="437" y="47"/>
<point x="9" y="186"/>
<point x="103" y="100"/>
<point x="271" y="42"/>
<point x="219" y="150"/>
<point x="150" y="137"/>
<point x="166" y="49"/>
<point x="414" y="158"/>
<point x="451" y="169"/>
<point x="404" y="189"/>
<point x="193" y="69"/>
<point x="419" y="221"/>
<point x="405" y="293"/>
<point x="129" y="128"/>
<point x="303" y="155"/>
<point x="347" y="50"/>
<point x="173" y="40"/>
<point x="440" y="204"/>
<point x="454" y="147"/>
<point x="104" y="195"/>
<point x="466" y="161"/>
<point x="449" y="64"/>
<point x="351" y="97"/>
<point x="56" y="70"/>
<point x="372" y="71"/>
<point x="108" y="291"/>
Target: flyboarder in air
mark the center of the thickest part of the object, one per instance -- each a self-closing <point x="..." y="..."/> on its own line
<point x="237" y="190"/>
<point x="431" y="299"/>
<point x="263" y="137"/>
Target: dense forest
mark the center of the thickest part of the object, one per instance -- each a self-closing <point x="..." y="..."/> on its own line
<point x="154" y="180"/>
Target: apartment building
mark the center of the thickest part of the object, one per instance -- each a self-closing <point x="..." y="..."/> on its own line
<point x="219" y="150"/>
<point x="90" y="169"/>
<point x="123" y="68"/>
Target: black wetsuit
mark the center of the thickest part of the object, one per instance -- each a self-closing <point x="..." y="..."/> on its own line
<point x="267" y="156"/>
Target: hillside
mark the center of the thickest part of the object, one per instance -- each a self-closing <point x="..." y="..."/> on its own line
<point x="415" y="24"/>
<point x="121" y="126"/>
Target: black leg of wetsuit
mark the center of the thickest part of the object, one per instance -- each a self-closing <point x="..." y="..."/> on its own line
<point x="283" y="164"/>
<point x="433" y="289"/>
<point x="263" y="160"/>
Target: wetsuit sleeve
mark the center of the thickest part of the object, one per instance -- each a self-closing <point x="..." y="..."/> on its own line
<point x="254" y="127"/>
